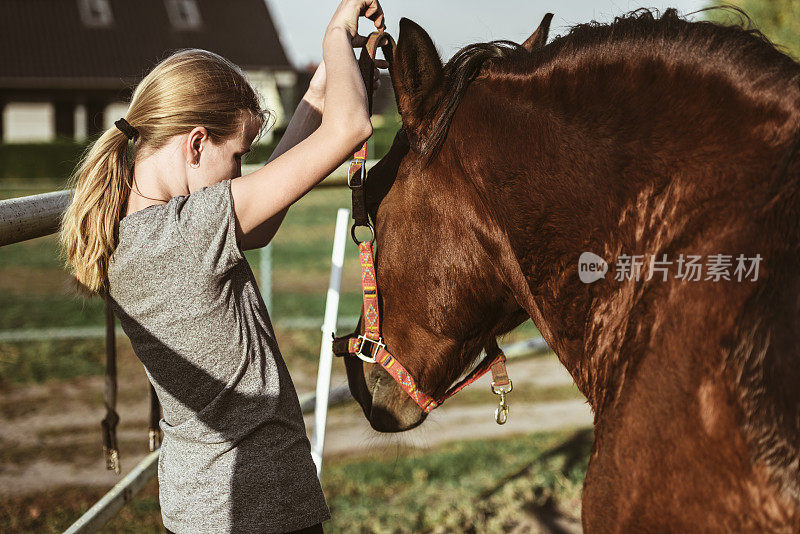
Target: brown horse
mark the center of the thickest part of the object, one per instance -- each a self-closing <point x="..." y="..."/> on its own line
<point x="647" y="137"/>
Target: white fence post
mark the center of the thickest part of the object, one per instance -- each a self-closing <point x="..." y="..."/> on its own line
<point x="328" y="330"/>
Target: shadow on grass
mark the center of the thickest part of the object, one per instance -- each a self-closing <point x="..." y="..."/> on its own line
<point x="575" y="451"/>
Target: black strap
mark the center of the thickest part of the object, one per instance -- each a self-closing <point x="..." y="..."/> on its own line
<point x="109" y="423"/>
<point x="154" y="432"/>
<point x="366" y="64"/>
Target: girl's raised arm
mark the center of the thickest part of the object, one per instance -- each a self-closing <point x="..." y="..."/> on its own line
<point x="267" y="192"/>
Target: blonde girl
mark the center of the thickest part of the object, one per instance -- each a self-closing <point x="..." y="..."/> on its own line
<point x="162" y="235"/>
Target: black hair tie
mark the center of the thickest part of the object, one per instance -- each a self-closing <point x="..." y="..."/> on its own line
<point x="129" y="131"/>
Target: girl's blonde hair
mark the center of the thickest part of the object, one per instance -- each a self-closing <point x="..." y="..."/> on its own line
<point x="188" y="89"/>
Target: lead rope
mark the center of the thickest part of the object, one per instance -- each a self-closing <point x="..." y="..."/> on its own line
<point x="109" y="423"/>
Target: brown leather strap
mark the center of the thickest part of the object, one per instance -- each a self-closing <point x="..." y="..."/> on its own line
<point x="366" y="61"/>
<point x="341" y="345"/>
<point x="366" y="64"/>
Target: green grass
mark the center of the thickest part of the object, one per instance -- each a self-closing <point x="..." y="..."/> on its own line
<point x="469" y="486"/>
<point x="37" y="362"/>
<point x="40" y="253"/>
<point x="48" y="311"/>
<point x="487" y="486"/>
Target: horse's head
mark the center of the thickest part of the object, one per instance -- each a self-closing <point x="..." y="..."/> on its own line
<point x="440" y="263"/>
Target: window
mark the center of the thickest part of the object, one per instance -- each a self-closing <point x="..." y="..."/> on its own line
<point x="95" y="13"/>
<point x="184" y="14"/>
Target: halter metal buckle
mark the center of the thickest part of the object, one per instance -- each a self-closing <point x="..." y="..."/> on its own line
<point x="355" y="180"/>
<point x="376" y="346"/>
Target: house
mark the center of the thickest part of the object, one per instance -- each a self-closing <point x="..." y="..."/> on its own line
<point x="69" y="66"/>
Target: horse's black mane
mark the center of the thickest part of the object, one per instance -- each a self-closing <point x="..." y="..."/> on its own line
<point x="459" y="72"/>
<point x="740" y="41"/>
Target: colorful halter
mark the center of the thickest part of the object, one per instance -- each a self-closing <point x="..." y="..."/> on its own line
<point x="369" y="346"/>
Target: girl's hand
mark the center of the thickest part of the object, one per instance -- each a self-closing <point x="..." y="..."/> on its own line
<point x="347" y="15"/>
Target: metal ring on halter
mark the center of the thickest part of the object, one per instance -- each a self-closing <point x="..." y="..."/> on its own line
<point x="368" y="225"/>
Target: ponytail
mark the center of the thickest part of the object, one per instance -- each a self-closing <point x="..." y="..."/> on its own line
<point x="89" y="225"/>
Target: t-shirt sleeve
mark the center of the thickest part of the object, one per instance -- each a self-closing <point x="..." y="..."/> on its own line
<point x="207" y="223"/>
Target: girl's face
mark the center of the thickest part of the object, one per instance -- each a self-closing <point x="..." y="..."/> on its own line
<point x="214" y="162"/>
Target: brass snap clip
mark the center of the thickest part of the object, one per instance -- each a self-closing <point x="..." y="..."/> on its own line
<point x="501" y="412"/>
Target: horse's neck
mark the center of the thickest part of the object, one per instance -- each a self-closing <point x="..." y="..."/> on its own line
<point x="562" y="185"/>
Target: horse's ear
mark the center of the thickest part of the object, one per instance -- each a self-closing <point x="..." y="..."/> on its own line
<point x="417" y="74"/>
<point x="539" y="38"/>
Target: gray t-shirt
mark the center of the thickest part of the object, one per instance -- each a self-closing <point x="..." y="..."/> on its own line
<point x="235" y="456"/>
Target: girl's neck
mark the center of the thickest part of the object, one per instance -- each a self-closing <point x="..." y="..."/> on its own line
<point x="157" y="177"/>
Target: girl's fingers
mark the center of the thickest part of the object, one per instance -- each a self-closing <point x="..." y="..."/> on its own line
<point x="374" y="12"/>
<point x="379" y="22"/>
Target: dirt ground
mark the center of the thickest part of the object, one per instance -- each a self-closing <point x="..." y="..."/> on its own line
<point x="51" y="433"/>
<point x="51" y="436"/>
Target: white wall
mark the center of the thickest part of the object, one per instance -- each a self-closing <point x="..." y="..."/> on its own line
<point x="25" y="122"/>
<point x="35" y="121"/>
<point x="80" y="122"/>
<point x="266" y="85"/>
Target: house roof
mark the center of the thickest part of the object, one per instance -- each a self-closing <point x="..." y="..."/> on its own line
<point x="58" y="43"/>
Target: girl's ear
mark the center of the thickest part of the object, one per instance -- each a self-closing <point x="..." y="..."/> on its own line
<point x="417" y="75"/>
<point x="194" y="145"/>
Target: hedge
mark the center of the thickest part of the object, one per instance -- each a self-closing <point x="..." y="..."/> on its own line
<point x="40" y="160"/>
<point x="59" y="158"/>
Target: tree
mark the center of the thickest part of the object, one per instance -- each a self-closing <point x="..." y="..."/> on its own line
<point x="779" y="20"/>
